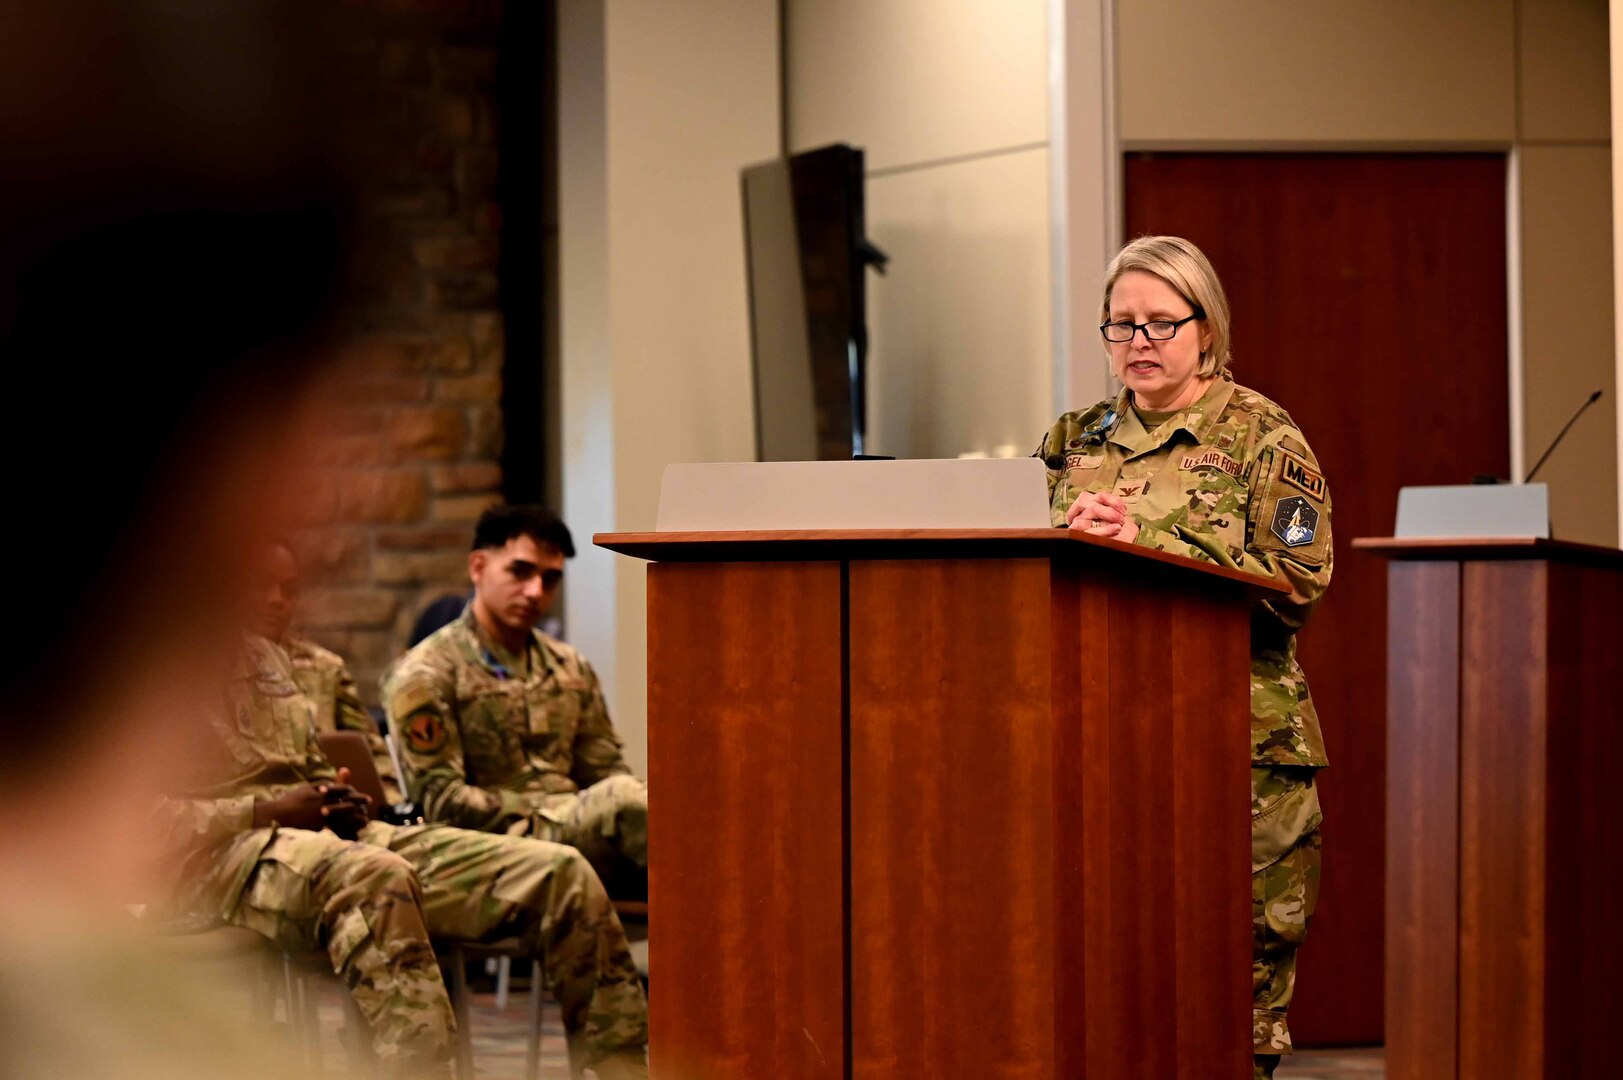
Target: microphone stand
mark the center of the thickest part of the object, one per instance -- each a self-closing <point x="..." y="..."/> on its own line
<point x="1588" y="401"/>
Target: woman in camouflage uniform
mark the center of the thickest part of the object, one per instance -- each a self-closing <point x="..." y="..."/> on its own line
<point x="1186" y="460"/>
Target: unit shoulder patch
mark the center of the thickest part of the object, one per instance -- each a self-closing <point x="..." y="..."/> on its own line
<point x="1295" y="522"/>
<point x="1295" y="472"/>
<point x="425" y="731"/>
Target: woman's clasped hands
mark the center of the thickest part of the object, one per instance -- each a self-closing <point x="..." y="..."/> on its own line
<point x="1102" y="514"/>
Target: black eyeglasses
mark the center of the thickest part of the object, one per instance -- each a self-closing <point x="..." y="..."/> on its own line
<point x="1155" y="330"/>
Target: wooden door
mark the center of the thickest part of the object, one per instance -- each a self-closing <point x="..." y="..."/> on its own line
<point x="1369" y="297"/>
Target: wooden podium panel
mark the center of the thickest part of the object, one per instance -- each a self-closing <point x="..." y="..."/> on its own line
<point x="941" y="805"/>
<point x="1166" y="955"/>
<point x="952" y="860"/>
<point x="975" y="889"/>
<point x="1422" y="816"/>
<point x="1505" y="867"/>
<point x="748" y="882"/>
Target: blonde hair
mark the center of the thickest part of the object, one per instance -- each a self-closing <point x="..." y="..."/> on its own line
<point x="1183" y="266"/>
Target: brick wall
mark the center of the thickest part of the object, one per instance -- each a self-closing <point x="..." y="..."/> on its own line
<point x="406" y="427"/>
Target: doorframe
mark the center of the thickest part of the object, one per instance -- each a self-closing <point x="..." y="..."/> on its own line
<point x="1513" y="314"/>
<point x="1085" y="203"/>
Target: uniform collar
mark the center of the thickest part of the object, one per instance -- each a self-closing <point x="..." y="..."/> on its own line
<point x="494" y="658"/>
<point x="262" y="664"/>
<point x="258" y="657"/>
<point x="1197" y="418"/>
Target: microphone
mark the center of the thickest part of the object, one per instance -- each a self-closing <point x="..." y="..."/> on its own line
<point x="1588" y="401"/>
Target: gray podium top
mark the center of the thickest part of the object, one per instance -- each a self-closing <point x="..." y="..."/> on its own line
<point x="1477" y="510"/>
<point x="975" y="493"/>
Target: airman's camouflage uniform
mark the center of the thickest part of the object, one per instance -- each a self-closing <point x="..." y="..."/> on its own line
<point x="521" y="745"/>
<point x="372" y="904"/>
<point x="326" y="681"/>
<point x="1230" y="479"/>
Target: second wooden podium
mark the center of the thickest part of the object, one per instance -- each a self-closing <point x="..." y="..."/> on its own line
<point x="940" y="804"/>
<point x="1504" y="870"/>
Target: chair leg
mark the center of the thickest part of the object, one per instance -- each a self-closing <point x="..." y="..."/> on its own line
<point x="504" y="980"/>
<point x="532" y="1057"/>
<point x="312" y="1022"/>
<point x="358" y="1034"/>
<point x="290" y="998"/>
<point x="459" y="1006"/>
<point x="262" y="997"/>
<point x="298" y="1027"/>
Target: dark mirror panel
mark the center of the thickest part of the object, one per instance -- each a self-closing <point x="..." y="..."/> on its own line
<point x="804" y="239"/>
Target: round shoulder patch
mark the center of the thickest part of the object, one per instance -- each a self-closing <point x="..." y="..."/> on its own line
<point x="425" y="731"/>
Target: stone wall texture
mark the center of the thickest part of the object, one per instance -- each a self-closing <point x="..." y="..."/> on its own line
<point x="406" y="426"/>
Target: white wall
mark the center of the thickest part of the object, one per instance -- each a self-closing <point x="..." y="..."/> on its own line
<point x="949" y="102"/>
<point x="660" y="105"/>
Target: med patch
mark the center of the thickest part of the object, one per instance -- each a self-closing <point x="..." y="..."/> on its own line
<point x="1296" y="473"/>
<point x="1296" y="521"/>
<point x="425" y="731"/>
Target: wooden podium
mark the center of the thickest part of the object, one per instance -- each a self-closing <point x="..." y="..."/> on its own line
<point x="1504" y="881"/>
<point x="946" y="804"/>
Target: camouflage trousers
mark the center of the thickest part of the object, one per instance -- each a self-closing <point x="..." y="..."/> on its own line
<point x="1285" y="819"/>
<point x="608" y="823"/>
<point x="372" y="906"/>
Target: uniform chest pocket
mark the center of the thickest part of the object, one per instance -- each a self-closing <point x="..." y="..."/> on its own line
<point x="1214" y="485"/>
<point x="296" y="718"/>
<point x="285" y="713"/>
<point x="321" y="688"/>
<point x="491" y="722"/>
<point x="555" y="710"/>
<point x="238" y="744"/>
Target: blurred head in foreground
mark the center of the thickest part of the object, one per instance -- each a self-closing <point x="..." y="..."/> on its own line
<point x="170" y="248"/>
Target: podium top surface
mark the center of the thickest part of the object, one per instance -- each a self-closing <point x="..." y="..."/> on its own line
<point x="815" y="544"/>
<point x="1464" y="548"/>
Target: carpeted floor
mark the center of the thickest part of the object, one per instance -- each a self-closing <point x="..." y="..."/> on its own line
<point x="1350" y="1063"/>
<point x="499" y="1037"/>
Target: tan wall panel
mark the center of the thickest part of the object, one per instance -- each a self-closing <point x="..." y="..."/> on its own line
<point x="1269" y="71"/>
<point x="1567" y="320"/>
<point x="655" y="322"/>
<point x="585" y="369"/>
<point x="1564" y="78"/>
<point x="960" y="324"/>
<point x="917" y="80"/>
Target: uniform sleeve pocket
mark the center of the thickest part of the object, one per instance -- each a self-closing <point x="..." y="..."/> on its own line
<point x="348" y="935"/>
<point x="1290" y="520"/>
<point x="558" y="714"/>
